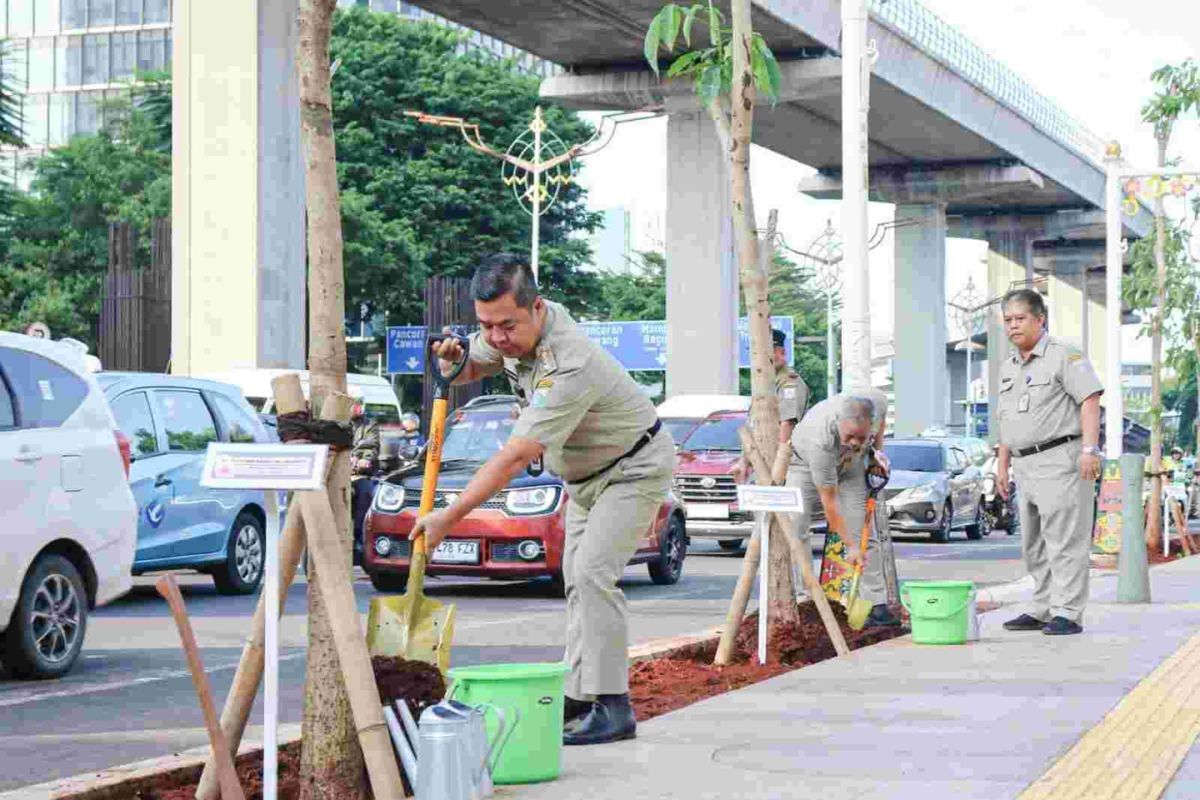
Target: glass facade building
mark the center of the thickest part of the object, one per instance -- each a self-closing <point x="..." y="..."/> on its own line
<point x="66" y="56"/>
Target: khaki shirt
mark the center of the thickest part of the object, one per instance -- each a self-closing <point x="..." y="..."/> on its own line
<point x="1039" y="399"/>
<point x="577" y="401"/>
<point x="816" y="440"/>
<point x="792" y="392"/>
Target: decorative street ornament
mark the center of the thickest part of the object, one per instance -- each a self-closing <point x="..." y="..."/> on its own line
<point x="538" y="164"/>
<point x="1148" y="188"/>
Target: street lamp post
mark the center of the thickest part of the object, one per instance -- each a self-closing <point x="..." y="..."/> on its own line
<point x="826" y="250"/>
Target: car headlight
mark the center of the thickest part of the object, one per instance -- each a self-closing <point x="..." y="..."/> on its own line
<point x="389" y="498"/>
<point x="923" y="492"/>
<point x="531" y="501"/>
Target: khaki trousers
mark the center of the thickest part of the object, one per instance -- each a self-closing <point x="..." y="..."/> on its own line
<point x="605" y="518"/>
<point x="1057" y="512"/>
<point x="852" y="502"/>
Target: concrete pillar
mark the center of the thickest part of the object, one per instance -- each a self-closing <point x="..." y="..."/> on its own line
<point x="1010" y="259"/>
<point x="702" y="285"/>
<point x="237" y="191"/>
<point x="919" y="369"/>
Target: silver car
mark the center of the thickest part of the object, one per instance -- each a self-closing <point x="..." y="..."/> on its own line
<point x="934" y="488"/>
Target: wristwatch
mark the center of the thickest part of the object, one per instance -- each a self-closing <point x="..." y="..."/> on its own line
<point x="1091" y="450"/>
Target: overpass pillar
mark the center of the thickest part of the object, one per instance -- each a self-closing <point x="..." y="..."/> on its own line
<point x="1010" y="259"/>
<point x="702" y="282"/>
<point x="919" y="367"/>
<point x="237" y="188"/>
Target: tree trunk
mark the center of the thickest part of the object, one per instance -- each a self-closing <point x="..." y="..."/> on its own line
<point x="1154" y="529"/>
<point x="753" y="261"/>
<point x="331" y="764"/>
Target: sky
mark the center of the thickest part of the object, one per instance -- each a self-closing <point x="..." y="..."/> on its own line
<point x="1091" y="57"/>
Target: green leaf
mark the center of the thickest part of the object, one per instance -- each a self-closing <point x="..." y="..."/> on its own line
<point x="710" y="84"/>
<point x="689" y="16"/>
<point x="672" y="19"/>
<point x="653" y="40"/>
<point x="767" y="75"/>
<point x="686" y="63"/>
<point x="714" y="25"/>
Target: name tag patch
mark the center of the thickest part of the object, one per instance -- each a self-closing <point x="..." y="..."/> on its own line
<point x="1023" y="403"/>
<point x="789" y="393"/>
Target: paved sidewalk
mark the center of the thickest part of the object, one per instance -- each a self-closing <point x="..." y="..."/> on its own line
<point x="899" y="720"/>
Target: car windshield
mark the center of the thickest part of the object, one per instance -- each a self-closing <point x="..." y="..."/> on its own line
<point x="477" y="437"/>
<point x="716" y="434"/>
<point x="914" y="458"/>
<point x="679" y="428"/>
<point x="382" y="413"/>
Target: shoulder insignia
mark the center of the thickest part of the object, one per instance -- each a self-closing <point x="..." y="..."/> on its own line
<point x="1074" y="357"/>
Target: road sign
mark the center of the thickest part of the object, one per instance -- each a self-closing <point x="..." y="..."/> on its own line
<point x="640" y="346"/>
<point x="406" y="350"/>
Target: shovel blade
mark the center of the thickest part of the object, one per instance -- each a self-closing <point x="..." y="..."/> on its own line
<point x="411" y="626"/>
<point x="856" y="615"/>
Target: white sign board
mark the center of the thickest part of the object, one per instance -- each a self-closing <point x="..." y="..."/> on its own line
<point x="781" y="499"/>
<point x="265" y="466"/>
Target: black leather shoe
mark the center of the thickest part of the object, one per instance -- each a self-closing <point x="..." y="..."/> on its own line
<point x="574" y="709"/>
<point x="1061" y="626"/>
<point x="881" y="617"/>
<point x="1025" y="623"/>
<point x="610" y="719"/>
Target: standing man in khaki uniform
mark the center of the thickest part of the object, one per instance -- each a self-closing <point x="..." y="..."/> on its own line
<point x="792" y="393"/>
<point x="600" y="434"/>
<point x="1049" y="425"/>
<point x="831" y="445"/>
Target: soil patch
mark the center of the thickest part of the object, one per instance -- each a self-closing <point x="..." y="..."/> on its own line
<point x="420" y="685"/>
<point x="657" y="686"/>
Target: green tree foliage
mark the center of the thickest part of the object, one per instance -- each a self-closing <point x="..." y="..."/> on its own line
<point x="416" y="200"/>
<point x="639" y="295"/>
<point x="10" y="102"/>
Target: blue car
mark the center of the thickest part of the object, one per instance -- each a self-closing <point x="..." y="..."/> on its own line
<point x="169" y="422"/>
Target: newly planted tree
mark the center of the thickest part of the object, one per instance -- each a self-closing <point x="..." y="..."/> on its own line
<point x="1178" y="94"/>
<point x="727" y="74"/>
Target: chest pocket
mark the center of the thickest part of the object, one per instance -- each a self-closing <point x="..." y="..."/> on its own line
<point x="1041" y="385"/>
<point x="1007" y="401"/>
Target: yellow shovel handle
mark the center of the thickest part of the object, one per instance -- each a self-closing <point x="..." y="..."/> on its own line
<point x="433" y="465"/>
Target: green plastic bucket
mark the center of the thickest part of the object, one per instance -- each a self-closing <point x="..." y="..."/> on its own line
<point x="938" y="610"/>
<point x="531" y="697"/>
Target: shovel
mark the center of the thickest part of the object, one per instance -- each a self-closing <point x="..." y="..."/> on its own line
<point x="858" y="609"/>
<point x="413" y="626"/>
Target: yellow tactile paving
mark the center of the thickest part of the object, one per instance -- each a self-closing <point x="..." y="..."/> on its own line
<point x="1133" y="753"/>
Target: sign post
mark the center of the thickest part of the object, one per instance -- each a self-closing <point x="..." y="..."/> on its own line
<point x="765" y="500"/>
<point x="296" y="467"/>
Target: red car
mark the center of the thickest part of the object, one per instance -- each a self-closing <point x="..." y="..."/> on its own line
<point x="516" y="535"/>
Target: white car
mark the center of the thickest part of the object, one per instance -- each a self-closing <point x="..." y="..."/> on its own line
<point x="68" y="523"/>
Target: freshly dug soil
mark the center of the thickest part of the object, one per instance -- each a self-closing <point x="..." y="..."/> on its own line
<point x="660" y="685"/>
<point x="419" y="684"/>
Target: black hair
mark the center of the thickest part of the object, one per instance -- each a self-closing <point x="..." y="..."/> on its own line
<point x="1030" y="298"/>
<point x="779" y="337"/>
<point x="501" y="273"/>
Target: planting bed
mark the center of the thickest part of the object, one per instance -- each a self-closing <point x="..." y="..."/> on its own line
<point x="688" y="675"/>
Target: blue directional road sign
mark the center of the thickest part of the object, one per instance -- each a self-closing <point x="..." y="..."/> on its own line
<point x="785" y="324"/>
<point x="406" y="350"/>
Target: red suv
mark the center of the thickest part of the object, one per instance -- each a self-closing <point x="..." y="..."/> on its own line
<point x="518" y="534"/>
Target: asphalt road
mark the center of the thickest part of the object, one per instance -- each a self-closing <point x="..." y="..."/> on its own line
<point x="131" y="696"/>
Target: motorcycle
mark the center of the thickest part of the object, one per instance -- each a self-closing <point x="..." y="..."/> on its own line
<point x="998" y="513"/>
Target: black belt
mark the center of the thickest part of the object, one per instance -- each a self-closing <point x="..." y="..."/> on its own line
<point x="1038" y="448"/>
<point x="642" y="441"/>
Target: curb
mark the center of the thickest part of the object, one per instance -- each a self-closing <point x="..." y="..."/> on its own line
<point x="118" y="782"/>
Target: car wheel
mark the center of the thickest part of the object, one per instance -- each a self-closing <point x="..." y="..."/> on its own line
<point x="49" y="622"/>
<point x="975" y="531"/>
<point x="245" y="557"/>
<point x="558" y="585"/>
<point x="389" y="581"/>
<point x="730" y="545"/>
<point x="673" y="550"/>
<point x="942" y="534"/>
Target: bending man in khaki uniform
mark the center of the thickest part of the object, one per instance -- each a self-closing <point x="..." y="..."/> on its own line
<point x="1049" y="424"/>
<point x="600" y="434"/>
<point x="830" y="445"/>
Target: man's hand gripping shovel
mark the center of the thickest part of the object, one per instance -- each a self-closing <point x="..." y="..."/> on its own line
<point x="411" y="625"/>
<point x="858" y="609"/>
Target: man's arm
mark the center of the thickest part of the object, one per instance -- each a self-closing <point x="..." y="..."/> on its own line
<point x="835" y="522"/>
<point x="491" y="478"/>
<point x="1090" y="463"/>
<point x="785" y="431"/>
<point x="1002" y="458"/>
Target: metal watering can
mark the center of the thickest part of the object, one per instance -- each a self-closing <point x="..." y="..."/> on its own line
<point x="454" y="754"/>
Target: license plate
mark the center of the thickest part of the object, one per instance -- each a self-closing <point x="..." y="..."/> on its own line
<point x="708" y="510"/>
<point x="454" y="551"/>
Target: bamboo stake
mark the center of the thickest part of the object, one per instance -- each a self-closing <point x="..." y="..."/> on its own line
<point x="289" y="398"/>
<point x="337" y="592"/>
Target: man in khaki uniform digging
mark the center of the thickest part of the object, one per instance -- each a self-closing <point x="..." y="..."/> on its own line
<point x="831" y="444"/>
<point x="1049" y="425"/>
<point x="600" y="434"/>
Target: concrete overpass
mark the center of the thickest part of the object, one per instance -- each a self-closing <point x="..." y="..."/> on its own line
<point x="957" y="141"/>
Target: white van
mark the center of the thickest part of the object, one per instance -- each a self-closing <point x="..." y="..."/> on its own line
<point x="683" y="412"/>
<point x="374" y="392"/>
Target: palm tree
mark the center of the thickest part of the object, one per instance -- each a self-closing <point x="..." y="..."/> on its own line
<point x="10" y="102"/>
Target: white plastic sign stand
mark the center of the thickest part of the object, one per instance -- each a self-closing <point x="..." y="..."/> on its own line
<point x="298" y="467"/>
<point x="762" y="500"/>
